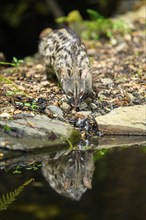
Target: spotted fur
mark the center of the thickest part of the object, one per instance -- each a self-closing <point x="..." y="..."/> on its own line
<point x="66" y="55"/>
<point x="70" y="175"/>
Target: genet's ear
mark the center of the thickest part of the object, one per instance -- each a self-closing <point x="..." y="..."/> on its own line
<point x="87" y="182"/>
<point x="66" y="184"/>
<point x="84" y="73"/>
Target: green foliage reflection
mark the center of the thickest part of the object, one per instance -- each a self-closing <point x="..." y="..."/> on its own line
<point x="100" y="154"/>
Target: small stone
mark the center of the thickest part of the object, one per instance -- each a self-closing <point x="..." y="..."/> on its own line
<point x="91" y="51"/>
<point x="106" y="81"/>
<point x="85" y="114"/>
<point x="129" y="97"/>
<point x="17" y="111"/>
<point x="120" y="47"/>
<point x="29" y="73"/>
<point x="96" y="114"/>
<point x="22" y="88"/>
<point x="49" y="113"/>
<point x="28" y="63"/>
<point x="93" y="106"/>
<point x="55" y="110"/>
<point x="39" y="68"/>
<point x="88" y="100"/>
<point x="56" y="103"/>
<point x="73" y="111"/>
<point x="83" y="106"/>
<point x="5" y="115"/>
<point x="81" y="122"/>
<point x="9" y="109"/>
<point x="127" y="37"/>
<point x="45" y="83"/>
<point x="1" y="154"/>
<point x="83" y="135"/>
<point x="113" y="41"/>
<point x="101" y="95"/>
<point x="65" y="106"/>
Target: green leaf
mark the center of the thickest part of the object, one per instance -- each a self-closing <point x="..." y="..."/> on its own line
<point x="34" y="106"/>
<point x="94" y="15"/>
<point x="10" y="93"/>
<point x="27" y="104"/>
<point x="15" y="60"/>
<point x="20" y="61"/>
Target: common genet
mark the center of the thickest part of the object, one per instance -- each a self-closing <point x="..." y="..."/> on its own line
<point x="66" y="55"/>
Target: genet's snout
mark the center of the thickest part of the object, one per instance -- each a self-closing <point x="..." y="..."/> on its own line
<point x="75" y="103"/>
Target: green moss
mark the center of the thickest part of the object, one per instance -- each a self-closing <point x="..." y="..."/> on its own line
<point x="7" y="128"/>
<point x="74" y="137"/>
<point x="100" y="154"/>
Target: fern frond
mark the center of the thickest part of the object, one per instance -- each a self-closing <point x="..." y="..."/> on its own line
<point x="9" y="198"/>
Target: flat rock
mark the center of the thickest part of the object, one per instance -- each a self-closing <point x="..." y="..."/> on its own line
<point x="124" y="121"/>
<point x="112" y="141"/>
<point x="35" y="132"/>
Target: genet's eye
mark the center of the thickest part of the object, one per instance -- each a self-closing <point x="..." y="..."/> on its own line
<point x="70" y="162"/>
<point x="82" y="161"/>
<point x="81" y="94"/>
<point x="69" y="95"/>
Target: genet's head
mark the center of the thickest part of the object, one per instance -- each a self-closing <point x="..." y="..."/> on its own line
<point x="73" y="82"/>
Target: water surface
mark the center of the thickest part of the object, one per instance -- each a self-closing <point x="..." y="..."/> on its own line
<point x="118" y="190"/>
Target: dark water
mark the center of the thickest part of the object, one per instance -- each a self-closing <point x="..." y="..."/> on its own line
<point x="118" y="189"/>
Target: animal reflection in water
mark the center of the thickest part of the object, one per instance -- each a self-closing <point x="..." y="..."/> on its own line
<point x="70" y="175"/>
